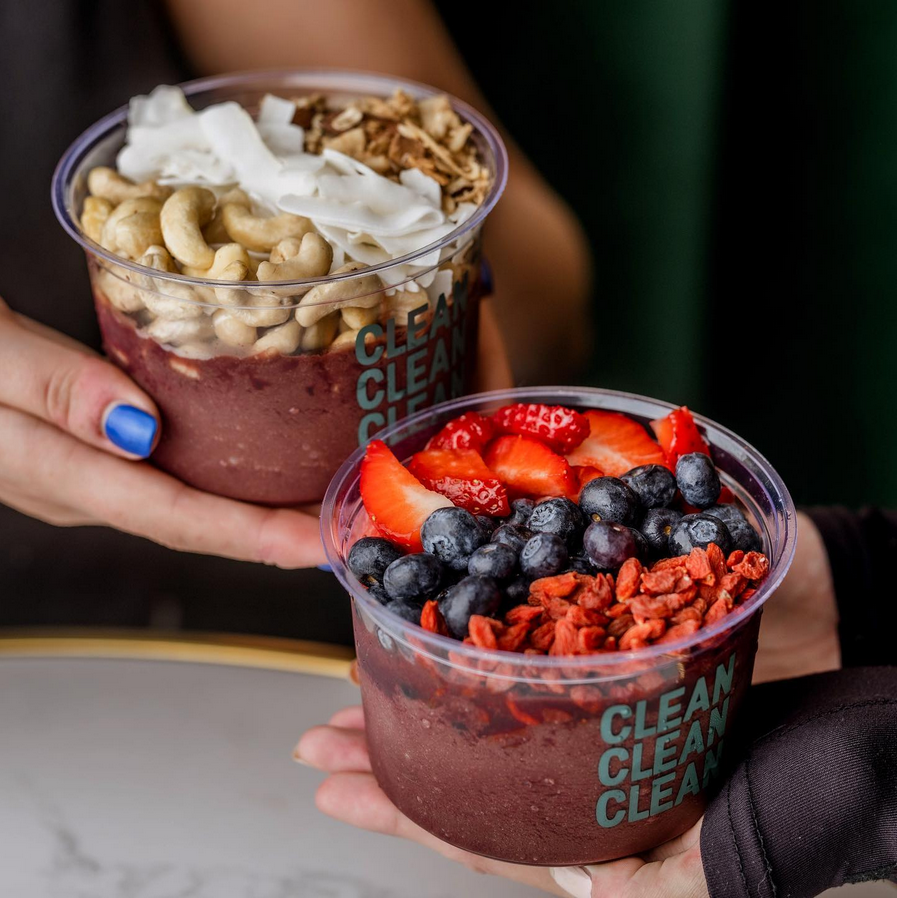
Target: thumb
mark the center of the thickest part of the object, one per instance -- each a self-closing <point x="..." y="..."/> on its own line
<point x="66" y="385"/>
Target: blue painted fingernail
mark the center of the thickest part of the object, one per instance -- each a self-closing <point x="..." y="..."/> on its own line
<point x="131" y="429"/>
<point x="325" y="567"/>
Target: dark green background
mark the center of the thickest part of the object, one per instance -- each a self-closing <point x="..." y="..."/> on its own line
<point x="735" y="166"/>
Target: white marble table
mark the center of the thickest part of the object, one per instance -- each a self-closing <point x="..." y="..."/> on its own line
<point x="135" y="778"/>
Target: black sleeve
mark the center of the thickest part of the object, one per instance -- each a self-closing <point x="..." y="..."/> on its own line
<point x="812" y="804"/>
<point x="862" y="550"/>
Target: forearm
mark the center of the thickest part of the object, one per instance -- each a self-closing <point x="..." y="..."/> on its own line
<point x="535" y="245"/>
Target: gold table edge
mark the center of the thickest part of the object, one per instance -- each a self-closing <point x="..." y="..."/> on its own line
<point x="259" y="652"/>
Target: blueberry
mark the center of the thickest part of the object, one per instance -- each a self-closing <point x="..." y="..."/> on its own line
<point x="543" y="556"/>
<point x="653" y="484"/>
<point x="656" y="528"/>
<point x="608" y="545"/>
<point x="472" y="595"/>
<point x="699" y="530"/>
<point x="512" y="536"/>
<point x="516" y="593"/>
<point x="488" y="523"/>
<point x="413" y="578"/>
<point x="697" y="479"/>
<point x="641" y="544"/>
<point x="521" y="509"/>
<point x="379" y="593"/>
<point x="452" y="535"/>
<point x="744" y="536"/>
<point x="370" y="557"/>
<point x="581" y="564"/>
<point x="494" y="560"/>
<point x="561" y="517"/>
<point x="609" y="499"/>
<point x="406" y="610"/>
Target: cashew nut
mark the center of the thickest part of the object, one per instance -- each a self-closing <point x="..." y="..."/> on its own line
<point x="108" y="184"/>
<point x="214" y="231"/>
<point x="167" y="330"/>
<point x="348" y="338"/>
<point x="361" y="292"/>
<point x="232" y="296"/>
<point x="121" y="293"/>
<point x="224" y="255"/>
<point x="284" y="339"/>
<point x="262" y="234"/>
<point x="145" y="204"/>
<point x="320" y="335"/>
<point x="263" y="315"/>
<point x="232" y="331"/>
<point x="356" y="318"/>
<point x="183" y="216"/>
<point x="402" y="303"/>
<point x="93" y="216"/>
<point x="295" y="260"/>
<point x="166" y="298"/>
<point x="136" y="233"/>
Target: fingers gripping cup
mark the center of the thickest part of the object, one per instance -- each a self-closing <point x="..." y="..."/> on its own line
<point x="569" y="755"/>
<point x="286" y="262"/>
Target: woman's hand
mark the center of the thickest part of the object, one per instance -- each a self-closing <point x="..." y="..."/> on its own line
<point x="351" y="794"/>
<point x="73" y="429"/>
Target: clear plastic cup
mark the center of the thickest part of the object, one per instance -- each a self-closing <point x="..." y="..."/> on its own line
<point x="270" y="421"/>
<point x="555" y="760"/>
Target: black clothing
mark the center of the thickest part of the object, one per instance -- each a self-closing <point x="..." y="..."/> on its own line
<point x="812" y="804"/>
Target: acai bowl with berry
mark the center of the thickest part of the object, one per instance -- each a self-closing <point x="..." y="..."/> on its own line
<point x="556" y="599"/>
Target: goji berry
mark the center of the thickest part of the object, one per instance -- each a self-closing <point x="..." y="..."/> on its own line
<point x="482" y="632"/>
<point x="542" y="637"/>
<point x="589" y="698"/>
<point x="754" y="566"/>
<point x="559" y="586"/>
<point x="628" y="579"/>
<point x="717" y="560"/>
<point x="734" y="558"/>
<point x="717" y="611"/>
<point x="514" y="637"/>
<point x="641" y="634"/>
<point x="680" y="631"/>
<point x="554" y="607"/>
<point x="519" y="713"/>
<point x="747" y="594"/>
<point x="677" y="561"/>
<point x="431" y="618"/>
<point x="610" y="644"/>
<point x="584" y="617"/>
<point x="645" y="608"/>
<point x="619" y="626"/>
<point x="656" y="583"/>
<point x="698" y="564"/>
<point x="589" y="639"/>
<point x="734" y="583"/>
<point x="596" y="593"/>
<point x="687" y="614"/>
<point x="523" y="614"/>
<point x="564" y="639"/>
<point x="617" y="610"/>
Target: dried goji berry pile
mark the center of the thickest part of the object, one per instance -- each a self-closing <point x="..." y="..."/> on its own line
<point x="579" y="614"/>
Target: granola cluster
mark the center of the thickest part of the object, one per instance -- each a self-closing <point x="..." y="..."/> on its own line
<point x="398" y="133"/>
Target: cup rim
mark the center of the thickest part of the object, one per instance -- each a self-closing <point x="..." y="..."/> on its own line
<point x="349" y="80"/>
<point x="435" y="646"/>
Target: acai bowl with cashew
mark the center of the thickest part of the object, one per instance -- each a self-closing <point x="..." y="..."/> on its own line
<point x="286" y="262"/>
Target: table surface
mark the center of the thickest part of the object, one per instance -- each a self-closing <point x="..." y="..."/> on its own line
<point x="125" y="777"/>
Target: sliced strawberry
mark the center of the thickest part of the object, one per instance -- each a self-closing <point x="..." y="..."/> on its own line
<point x="462" y="476"/>
<point x="726" y="496"/>
<point x="469" y="431"/>
<point x="678" y="435"/>
<point x="583" y="474"/>
<point x="616" y="444"/>
<point x="530" y="468"/>
<point x="395" y="500"/>
<point x="562" y="428"/>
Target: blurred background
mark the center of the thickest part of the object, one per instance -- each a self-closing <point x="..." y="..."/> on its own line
<point x="733" y="166"/>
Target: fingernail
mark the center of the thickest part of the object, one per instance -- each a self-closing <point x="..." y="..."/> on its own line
<point x="326" y="568"/>
<point x="131" y="429"/>
<point x="299" y="759"/>
<point x="575" y="881"/>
